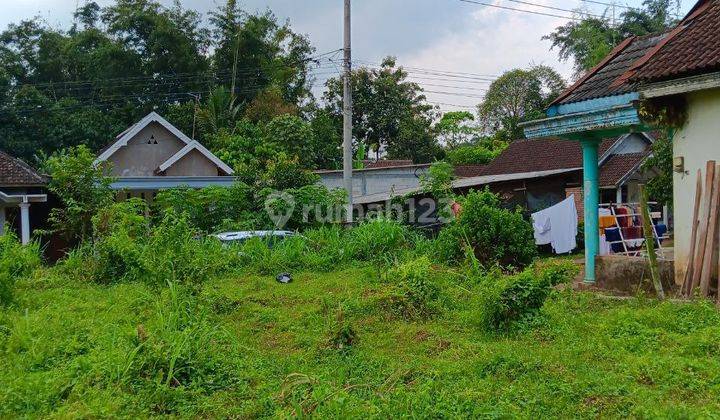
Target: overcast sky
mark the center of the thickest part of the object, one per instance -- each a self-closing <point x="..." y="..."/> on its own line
<point x="447" y="35"/>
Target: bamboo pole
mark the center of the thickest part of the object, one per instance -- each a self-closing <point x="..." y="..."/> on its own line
<point x="703" y="228"/>
<point x="687" y="284"/>
<point x="650" y="243"/>
<point x="711" y="235"/>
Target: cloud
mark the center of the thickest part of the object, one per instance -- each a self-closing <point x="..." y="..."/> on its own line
<point x="490" y="41"/>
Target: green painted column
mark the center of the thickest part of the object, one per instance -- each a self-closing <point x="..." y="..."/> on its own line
<point x="591" y="193"/>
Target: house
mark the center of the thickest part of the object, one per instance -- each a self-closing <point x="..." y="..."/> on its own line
<point x="377" y="178"/>
<point x="153" y="155"/>
<point x="677" y="70"/>
<point x="21" y="188"/>
<point x="685" y="70"/>
<point x="552" y="169"/>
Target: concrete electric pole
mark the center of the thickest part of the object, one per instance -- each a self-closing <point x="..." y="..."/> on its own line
<point x="347" y="116"/>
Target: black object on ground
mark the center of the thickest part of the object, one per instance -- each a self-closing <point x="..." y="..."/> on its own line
<point x="284" y="278"/>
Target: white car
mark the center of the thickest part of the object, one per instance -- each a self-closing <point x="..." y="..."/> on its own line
<point x="272" y="236"/>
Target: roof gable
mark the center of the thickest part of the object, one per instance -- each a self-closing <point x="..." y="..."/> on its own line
<point x="123" y="138"/>
<point x="194" y="145"/>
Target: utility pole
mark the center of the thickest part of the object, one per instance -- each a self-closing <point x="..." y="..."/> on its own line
<point x="347" y="116"/>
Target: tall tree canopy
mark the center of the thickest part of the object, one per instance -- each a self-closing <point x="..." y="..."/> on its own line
<point x="390" y="113"/>
<point x="589" y="40"/>
<point x="516" y="96"/>
<point x="61" y="88"/>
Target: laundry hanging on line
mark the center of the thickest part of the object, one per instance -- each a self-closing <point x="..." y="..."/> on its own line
<point x="557" y="226"/>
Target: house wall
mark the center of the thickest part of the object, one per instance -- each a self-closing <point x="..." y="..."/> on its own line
<point x="139" y="158"/>
<point x="697" y="142"/>
<point x="373" y="181"/>
<point x="193" y="164"/>
<point x="634" y="143"/>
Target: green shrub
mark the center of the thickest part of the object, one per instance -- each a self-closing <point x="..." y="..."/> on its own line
<point x="510" y="299"/>
<point x="415" y="293"/>
<point x="472" y="155"/>
<point x="175" y="253"/>
<point x="213" y="208"/>
<point x="16" y="261"/>
<point x="125" y="248"/>
<point x="496" y="235"/>
<point x="117" y="251"/>
<point x="377" y="239"/>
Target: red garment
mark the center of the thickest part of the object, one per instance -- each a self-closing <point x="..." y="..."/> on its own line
<point x="623" y="221"/>
<point x="632" y="232"/>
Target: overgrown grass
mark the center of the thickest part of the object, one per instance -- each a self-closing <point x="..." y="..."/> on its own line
<point x="326" y="345"/>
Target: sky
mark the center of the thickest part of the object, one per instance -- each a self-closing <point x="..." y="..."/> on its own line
<point x="446" y="35"/>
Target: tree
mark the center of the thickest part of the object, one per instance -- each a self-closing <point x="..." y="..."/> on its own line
<point x="456" y="128"/>
<point x="255" y="52"/>
<point x="121" y="61"/>
<point x="660" y="186"/>
<point x="516" y="96"/>
<point x="589" y="40"/>
<point x="386" y="105"/>
<point x="81" y="187"/>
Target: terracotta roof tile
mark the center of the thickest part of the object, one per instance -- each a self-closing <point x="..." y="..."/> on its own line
<point x="616" y="167"/>
<point x="536" y="155"/>
<point x="16" y="173"/>
<point x="693" y="50"/>
<point x="549" y="154"/>
<point x="603" y="80"/>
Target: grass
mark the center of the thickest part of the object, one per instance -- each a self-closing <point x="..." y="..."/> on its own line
<point x="247" y="346"/>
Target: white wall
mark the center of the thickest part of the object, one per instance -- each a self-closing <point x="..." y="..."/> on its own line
<point x="697" y="142"/>
<point x="373" y="181"/>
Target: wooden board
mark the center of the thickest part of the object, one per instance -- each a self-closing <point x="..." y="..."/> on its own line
<point x="707" y="267"/>
<point x="687" y="284"/>
<point x="703" y="227"/>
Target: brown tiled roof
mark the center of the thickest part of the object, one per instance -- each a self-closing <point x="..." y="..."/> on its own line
<point x="616" y="167"/>
<point x="466" y="171"/>
<point x="549" y="154"/>
<point x="536" y="155"/>
<point x="370" y="164"/>
<point x="603" y="79"/>
<point x="16" y="173"/>
<point x="692" y="49"/>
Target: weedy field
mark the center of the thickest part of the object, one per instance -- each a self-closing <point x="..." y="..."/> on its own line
<point x="347" y="343"/>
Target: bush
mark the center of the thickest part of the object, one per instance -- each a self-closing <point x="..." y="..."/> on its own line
<point x="16" y="261"/>
<point x="515" y="298"/>
<point x="126" y="248"/>
<point x="377" y="239"/>
<point x="471" y="155"/>
<point x="415" y="293"/>
<point x="496" y="235"/>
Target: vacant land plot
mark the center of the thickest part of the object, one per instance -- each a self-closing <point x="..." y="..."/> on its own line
<point x="330" y="345"/>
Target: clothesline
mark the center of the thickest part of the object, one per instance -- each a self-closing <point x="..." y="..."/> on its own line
<point x="626" y="226"/>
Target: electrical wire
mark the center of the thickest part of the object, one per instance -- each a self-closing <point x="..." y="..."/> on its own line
<point x="520" y="10"/>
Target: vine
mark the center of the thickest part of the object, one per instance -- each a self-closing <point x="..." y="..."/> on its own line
<point x="669" y="112"/>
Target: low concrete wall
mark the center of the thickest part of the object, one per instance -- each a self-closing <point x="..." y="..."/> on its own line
<point x="629" y="274"/>
<point x="374" y="181"/>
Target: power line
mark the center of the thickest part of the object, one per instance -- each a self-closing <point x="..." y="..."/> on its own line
<point x="520" y="10"/>
<point x="556" y="8"/>
<point x="374" y="63"/>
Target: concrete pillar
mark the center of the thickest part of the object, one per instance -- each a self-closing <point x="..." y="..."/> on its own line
<point x="591" y="193"/>
<point x="25" y="223"/>
<point x="618" y="195"/>
<point x="2" y="220"/>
